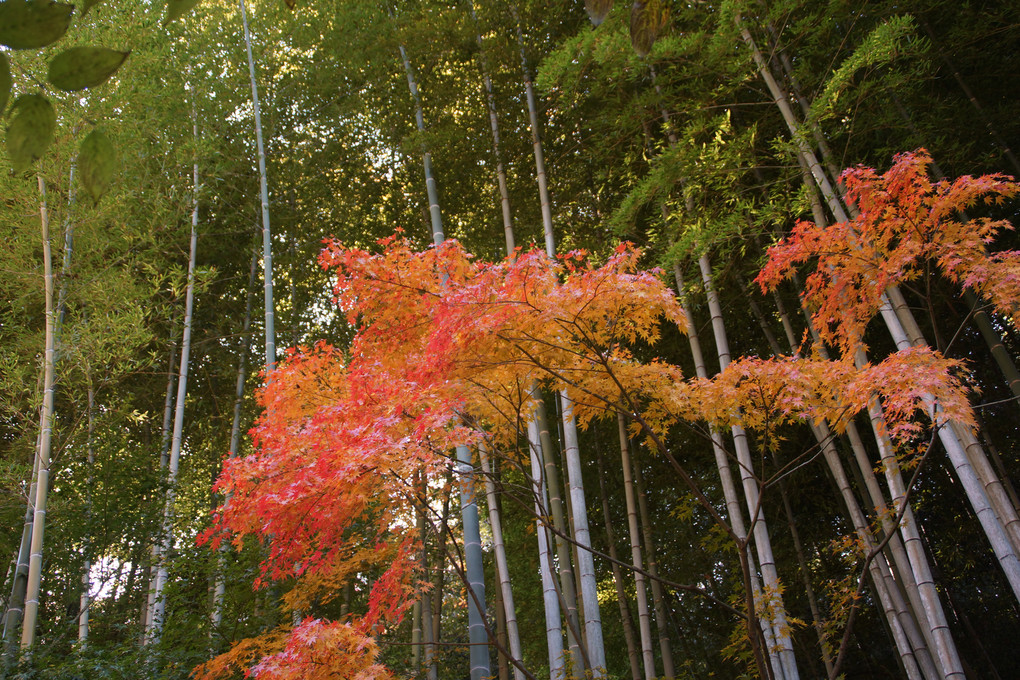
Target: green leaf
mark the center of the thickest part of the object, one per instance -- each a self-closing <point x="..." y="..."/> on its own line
<point x="598" y="10"/>
<point x="883" y="45"/>
<point x="89" y="4"/>
<point x="29" y="24"/>
<point x="80" y="67"/>
<point x="30" y="131"/>
<point x="175" y="9"/>
<point x="97" y="164"/>
<point x="5" y="81"/>
<point x="646" y="20"/>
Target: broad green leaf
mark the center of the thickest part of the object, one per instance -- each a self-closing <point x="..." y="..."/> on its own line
<point x="89" y="4"/>
<point x="175" y="9"/>
<point x="646" y="20"/>
<point x="80" y="67"/>
<point x="31" y="130"/>
<point x="598" y="10"/>
<point x="97" y="164"/>
<point x="30" y="24"/>
<point x="5" y="81"/>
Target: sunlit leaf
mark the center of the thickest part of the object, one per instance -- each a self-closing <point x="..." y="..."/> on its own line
<point x="97" y="164"/>
<point x="175" y="9"/>
<point x="31" y="130"/>
<point x="81" y="67"/>
<point x="647" y="19"/>
<point x="29" y="24"/>
<point x="5" y="81"/>
<point x="598" y="10"/>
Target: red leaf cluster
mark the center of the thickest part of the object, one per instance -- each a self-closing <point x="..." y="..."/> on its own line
<point x="905" y="223"/>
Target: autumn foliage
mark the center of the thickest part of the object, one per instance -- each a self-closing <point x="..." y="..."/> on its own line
<point x="448" y="347"/>
<point x="907" y="225"/>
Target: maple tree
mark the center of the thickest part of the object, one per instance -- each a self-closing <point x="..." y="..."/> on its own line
<point x="445" y="341"/>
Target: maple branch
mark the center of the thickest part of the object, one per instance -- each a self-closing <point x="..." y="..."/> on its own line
<point x="634" y="415"/>
<point x="456" y="559"/>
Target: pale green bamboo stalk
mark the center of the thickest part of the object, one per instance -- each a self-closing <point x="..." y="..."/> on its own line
<point x="502" y="567"/>
<point x="477" y="634"/>
<point x="267" y="238"/>
<point x="45" y="441"/>
<point x="159" y="608"/>
<point x="568" y="590"/>
<point x="86" y="583"/>
<point x="644" y="618"/>
<point x="425" y="600"/>
<point x="902" y="623"/>
<point x="416" y="639"/>
<point x="220" y="588"/>
<point x="773" y="636"/>
<point x="550" y="599"/>
<point x="16" y="603"/>
<point x="593" y="652"/>
<point x="633" y="653"/>
<point x="490" y="100"/>
<point x="164" y="456"/>
<point x="582" y="536"/>
<point x="536" y="141"/>
<point x="733" y="511"/>
<point x="759" y="528"/>
<point x="431" y="189"/>
<point x="658" y="598"/>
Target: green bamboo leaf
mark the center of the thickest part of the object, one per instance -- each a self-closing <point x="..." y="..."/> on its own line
<point x="598" y="10"/>
<point x="646" y="20"/>
<point x="80" y="67"/>
<point x="883" y="45"/>
<point x="175" y="9"/>
<point x="89" y="4"/>
<point x="5" y="81"/>
<point x="97" y="164"/>
<point x="30" y="24"/>
<point x="30" y="131"/>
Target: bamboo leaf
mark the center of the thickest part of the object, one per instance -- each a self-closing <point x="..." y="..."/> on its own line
<point x="647" y="18"/>
<point x="883" y="45"/>
<point x="29" y="24"/>
<point x="31" y="130"/>
<point x="175" y="9"/>
<point x="5" y="81"/>
<point x="89" y="4"/>
<point x="97" y="164"/>
<point x="81" y="67"/>
<point x="598" y="10"/>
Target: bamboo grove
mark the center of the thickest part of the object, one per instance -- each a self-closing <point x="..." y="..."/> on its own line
<point x="486" y="338"/>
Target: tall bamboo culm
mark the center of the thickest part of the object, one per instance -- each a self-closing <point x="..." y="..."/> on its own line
<point x="32" y="586"/>
<point x="155" y="629"/>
